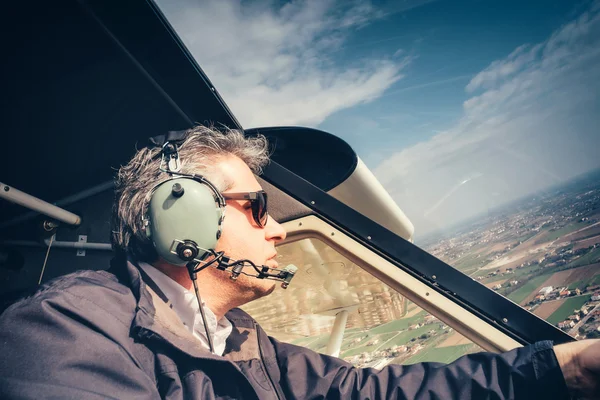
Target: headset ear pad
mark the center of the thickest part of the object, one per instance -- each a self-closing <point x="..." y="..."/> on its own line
<point x="183" y="210"/>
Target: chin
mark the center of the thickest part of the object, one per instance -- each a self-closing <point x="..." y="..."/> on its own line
<point x="264" y="288"/>
<point x="257" y="288"/>
<point x="252" y="288"/>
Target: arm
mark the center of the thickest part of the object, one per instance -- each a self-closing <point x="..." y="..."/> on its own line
<point x="580" y="363"/>
<point x="54" y="346"/>
<point x="530" y="372"/>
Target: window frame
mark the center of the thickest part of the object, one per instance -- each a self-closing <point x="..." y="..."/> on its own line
<point x="497" y="311"/>
<point x="452" y="314"/>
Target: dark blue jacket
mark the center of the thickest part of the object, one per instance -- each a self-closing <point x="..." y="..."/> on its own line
<point x="93" y="335"/>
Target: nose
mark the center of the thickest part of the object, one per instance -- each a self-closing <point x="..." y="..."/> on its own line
<point x="274" y="231"/>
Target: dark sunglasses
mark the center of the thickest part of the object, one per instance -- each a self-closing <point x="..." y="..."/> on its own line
<point x="258" y="202"/>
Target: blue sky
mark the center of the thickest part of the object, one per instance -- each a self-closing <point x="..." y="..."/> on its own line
<point x="456" y="106"/>
<point x="451" y="43"/>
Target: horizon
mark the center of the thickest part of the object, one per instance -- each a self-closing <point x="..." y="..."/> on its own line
<point x="505" y="207"/>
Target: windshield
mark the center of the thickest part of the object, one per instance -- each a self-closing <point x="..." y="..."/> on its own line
<point x="381" y="326"/>
<point x="481" y="120"/>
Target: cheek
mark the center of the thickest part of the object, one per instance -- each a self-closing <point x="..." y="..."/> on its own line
<point x="238" y="238"/>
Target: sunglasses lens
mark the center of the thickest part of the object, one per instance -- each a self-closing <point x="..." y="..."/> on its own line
<point x="258" y="202"/>
<point x="260" y="214"/>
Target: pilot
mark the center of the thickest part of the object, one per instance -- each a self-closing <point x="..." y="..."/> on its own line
<point x="188" y="216"/>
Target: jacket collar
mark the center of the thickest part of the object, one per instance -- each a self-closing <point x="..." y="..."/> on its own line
<point x="155" y="319"/>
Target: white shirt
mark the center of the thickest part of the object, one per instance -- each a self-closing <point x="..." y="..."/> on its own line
<point x="185" y="305"/>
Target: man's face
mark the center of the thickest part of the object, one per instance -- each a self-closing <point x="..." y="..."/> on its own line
<point x="242" y="237"/>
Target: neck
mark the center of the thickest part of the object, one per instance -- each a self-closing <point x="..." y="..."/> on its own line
<point x="218" y="292"/>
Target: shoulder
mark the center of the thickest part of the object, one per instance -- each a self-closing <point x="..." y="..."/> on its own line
<point x="238" y="314"/>
<point x="241" y="319"/>
<point x="86" y="294"/>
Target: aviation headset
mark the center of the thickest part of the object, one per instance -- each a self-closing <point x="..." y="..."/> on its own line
<point x="185" y="212"/>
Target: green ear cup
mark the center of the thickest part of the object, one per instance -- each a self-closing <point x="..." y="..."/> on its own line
<point x="184" y="215"/>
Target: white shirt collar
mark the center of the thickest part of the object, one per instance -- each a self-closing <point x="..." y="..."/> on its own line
<point x="185" y="305"/>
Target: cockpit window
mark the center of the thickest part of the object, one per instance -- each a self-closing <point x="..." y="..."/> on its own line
<point x="542" y="252"/>
<point x="380" y="326"/>
<point x="480" y="121"/>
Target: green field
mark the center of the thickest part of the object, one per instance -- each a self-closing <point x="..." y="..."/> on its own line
<point x="399" y="324"/>
<point x="517" y="274"/>
<point x="579" y="284"/>
<point x="382" y="333"/>
<point x="469" y="271"/>
<point x="586" y="259"/>
<point x="482" y="272"/>
<point x="398" y="339"/>
<point x="469" y="262"/>
<point x="584" y="283"/>
<point x="525" y="270"/>
<point x="526" y="237"/>
<point x="406" y="337"/>
<point x="549" y="236"/>
<point x="352" y="349"/>
<point x="521" y="293"/>
<point x="566" y="309"/>
<point x="491" y="279"/>
<point x="354" y="330"/>
<point x="440" y="354"/>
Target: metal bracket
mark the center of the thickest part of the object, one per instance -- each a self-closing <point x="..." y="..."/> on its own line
<point x="170" y="158"/>
<point x="82" y="239"/>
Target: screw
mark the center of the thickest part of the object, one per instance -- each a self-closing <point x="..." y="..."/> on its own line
<point x="49" y="225"/>
<point x="426" y="293"/>
<point x="177" y="190"/>
<point x="505" y="320"/>
<point x="368" y="237"/>
<point x="312" y="202"/>
<point x="332" y="233"/>
<point x="6" y="188"/>
<point x="187" y="253"/>
<point x="433" y="277"/>
<point x="299" y="223"/>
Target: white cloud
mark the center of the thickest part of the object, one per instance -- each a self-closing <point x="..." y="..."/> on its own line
<point x="531" y="121"/>
<point x="502" y="69"/>
<point x="271" y="63"/>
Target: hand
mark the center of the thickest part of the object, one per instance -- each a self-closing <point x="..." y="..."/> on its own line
<point x="580" y="364"/>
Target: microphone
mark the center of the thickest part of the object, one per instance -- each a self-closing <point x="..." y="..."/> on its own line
<point x="289" y="271"/>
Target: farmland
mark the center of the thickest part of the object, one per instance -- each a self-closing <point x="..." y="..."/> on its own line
<point x="585" y="243"/>
<point x="550" y="241"/>
<point x="526" y="292"/>
<point x="547" y="309"/>
<point x="567" y="308"/>
<point x="440" y="354"/>
<point x="454" y="339"/>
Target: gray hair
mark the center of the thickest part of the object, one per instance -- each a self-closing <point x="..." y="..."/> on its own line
<point x="201" y="148"/>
